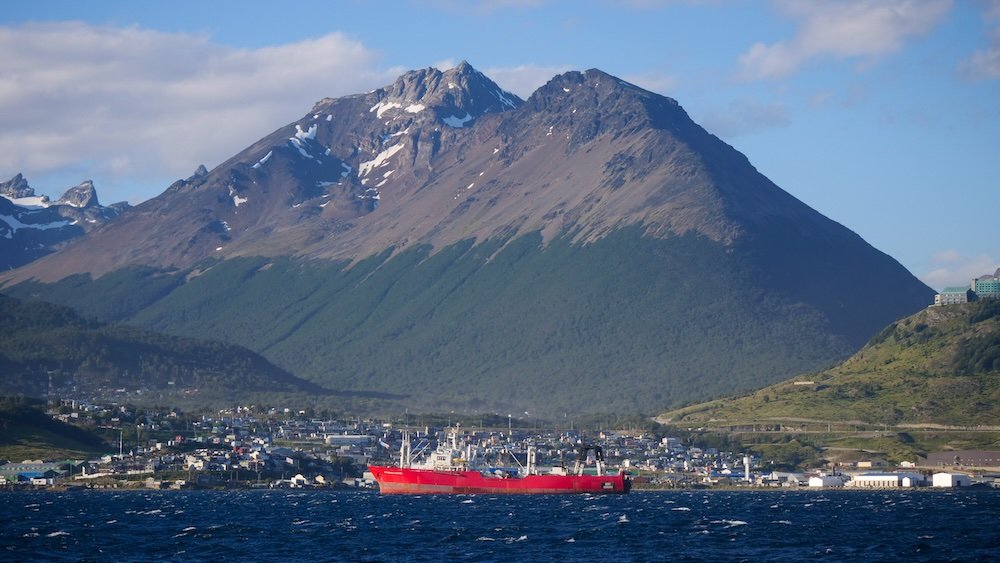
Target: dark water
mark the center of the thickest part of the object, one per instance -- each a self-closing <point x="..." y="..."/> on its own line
<point x="334" y="526"/>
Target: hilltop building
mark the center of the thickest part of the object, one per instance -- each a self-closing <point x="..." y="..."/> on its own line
<point x="954" y="296"/>
<point x="985" y="287"/>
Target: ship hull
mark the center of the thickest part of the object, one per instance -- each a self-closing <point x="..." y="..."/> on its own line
<point x="395" y="480"/>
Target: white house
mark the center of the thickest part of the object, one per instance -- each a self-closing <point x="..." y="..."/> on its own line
<point x="886" y="480"/>
<point x="821" y="481"/>
<point x="950" y="480"/>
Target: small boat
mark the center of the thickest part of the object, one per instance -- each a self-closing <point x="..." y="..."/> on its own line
<point x="450" y="469"/>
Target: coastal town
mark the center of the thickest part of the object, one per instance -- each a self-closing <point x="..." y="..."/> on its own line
<point x="253" y="447"/>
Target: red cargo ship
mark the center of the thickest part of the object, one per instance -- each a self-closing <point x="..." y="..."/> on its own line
<point x="449" y="470"/>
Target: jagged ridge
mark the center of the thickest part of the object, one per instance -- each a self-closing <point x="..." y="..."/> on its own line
<point x="32" y="226"/>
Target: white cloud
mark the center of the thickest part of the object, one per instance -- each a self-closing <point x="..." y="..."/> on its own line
<point x="445" y="64"/>
<point x="842" y="29"/>
<point x="951" y="268"/>
<point x="125" y="105"/>
<point x="745" y="116"/>
<point x="985" y="63"/>
<point x="525" y="79"/>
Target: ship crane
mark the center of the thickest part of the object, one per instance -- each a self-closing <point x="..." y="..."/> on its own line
<point x="589" y="454"/>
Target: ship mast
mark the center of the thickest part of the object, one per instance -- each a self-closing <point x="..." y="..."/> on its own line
<point x="405" y="457"/>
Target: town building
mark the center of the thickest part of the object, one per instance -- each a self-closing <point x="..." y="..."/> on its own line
<point x="826" y="481"/>
<point x="954" y="296"/>
<point x="987" y="287"/>
<point x="28" y="470"/>
<point x="950" y="480"/>
<point x="980" y="459"/>
<point x="886" y="480"/>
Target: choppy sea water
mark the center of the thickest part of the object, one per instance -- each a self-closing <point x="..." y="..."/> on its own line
<point x="365" y="526"/>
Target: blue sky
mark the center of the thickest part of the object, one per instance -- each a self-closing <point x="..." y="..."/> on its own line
<point x="883" y="115"/>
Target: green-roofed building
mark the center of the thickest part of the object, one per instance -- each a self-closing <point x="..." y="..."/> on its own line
<point x="954" y="295"/>
<point x="987" y="287"/>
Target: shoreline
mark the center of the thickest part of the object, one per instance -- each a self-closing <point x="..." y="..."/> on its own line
<point x="982" y="487"/>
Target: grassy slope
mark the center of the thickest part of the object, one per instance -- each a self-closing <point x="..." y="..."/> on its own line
<point x="624" y="324"/>
<point x="28" y="433"/>
<point x="939" y="366"/>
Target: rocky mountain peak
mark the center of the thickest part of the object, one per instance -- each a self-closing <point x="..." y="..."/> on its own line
<point x="16" y="187"/>
<point x="82" y="195"/>
<point x="598" y="91"/>
<point x="32" y="226"/>
<point x="456" y="96"/>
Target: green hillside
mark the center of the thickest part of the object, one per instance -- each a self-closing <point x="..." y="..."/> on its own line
<point x="26" y="432"/>
<point x="623" y="324"/>
<point x="43" y="344"/>
<point x="940" y="366"/>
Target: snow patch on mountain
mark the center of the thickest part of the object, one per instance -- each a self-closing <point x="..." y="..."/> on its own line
<point x="237" y="199"/>
<point x="457" y="122"/>
<point x="32" y="202"/>
<point x="305" y="135"/>
<point x="263" y="160"/>
<point x="383" y="107"/>
<point x="380" y="159"/>
<point x="301" y="137"/>
<point x="501" y="95"/>
<point x="298" y="144"/>
<point x="416" y="108"/>
<point x="15" y="225"/>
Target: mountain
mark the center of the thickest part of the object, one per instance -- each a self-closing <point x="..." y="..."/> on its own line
<point x="939" y="366"/>
<point x="32" y="226"/>
<point x="48" y="348"/>
<point x="589" y="248"/>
